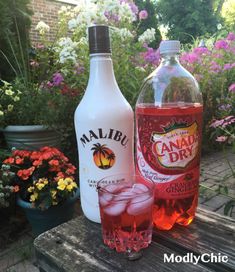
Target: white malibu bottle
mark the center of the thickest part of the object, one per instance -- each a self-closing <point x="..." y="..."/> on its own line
<point x="104" y="124"/>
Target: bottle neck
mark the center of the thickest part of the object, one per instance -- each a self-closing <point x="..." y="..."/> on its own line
<point x="170" y="59"/>
<point x="101" y="69"/>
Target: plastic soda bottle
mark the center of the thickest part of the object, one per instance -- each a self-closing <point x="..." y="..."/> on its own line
<point x="168" y="126"/>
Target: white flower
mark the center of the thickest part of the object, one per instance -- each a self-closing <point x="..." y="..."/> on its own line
<point x="63" y="9"/>
<point x="126" y="13"/>
<point x="123" y="33"/>
<point x="115" y="8"/>
<point x="67" y="50"/>
<point x="9" y="92"/>
<point x="42" y="28"/>
<point x="16" y="98"/>
<point x="72" y="23"/>
<point x="148" y="36"/>
<point x="83" y="41"/>
<point x="1" y="113"/>
<point x="141" y="69"/>
<point x="10" y="107"/>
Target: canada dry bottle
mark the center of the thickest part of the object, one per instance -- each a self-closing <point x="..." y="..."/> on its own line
<point x="103" y="123"/>
<point x="169" y="125"/>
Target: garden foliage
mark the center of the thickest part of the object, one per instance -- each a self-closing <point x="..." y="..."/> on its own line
<point x="15" y="22"/>
<point x="214" y="69"/>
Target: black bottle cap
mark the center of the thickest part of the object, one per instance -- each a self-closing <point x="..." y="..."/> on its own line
<point x="99" y="39"/>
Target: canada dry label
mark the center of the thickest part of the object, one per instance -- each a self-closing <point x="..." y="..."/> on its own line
<point x="168" y="152"/>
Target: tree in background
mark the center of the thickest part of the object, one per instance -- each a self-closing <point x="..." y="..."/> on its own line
<point x="187" y="19"/>
<point x="151" y="21"/>
<point x="14" y="36"/>
<point x="228" y="13"/>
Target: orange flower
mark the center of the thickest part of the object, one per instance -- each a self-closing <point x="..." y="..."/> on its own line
<point x="16" y="188"/>
<point x="54" y="162"/>
<point x="19" y="160"/>
<point x="47" y="155"/>
<point x="35" y="155"/>
<point x="25" y="173"/>
<point x="71" y="169"/>
<point x="9" y="160"/>
<point x="22" y="153"/>
<point x="37" y="163"/>
<point x="60" y="175"/>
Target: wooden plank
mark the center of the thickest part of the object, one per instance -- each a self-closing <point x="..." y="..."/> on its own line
<point x="210" y="233"/>
<point x="78" y="246"/>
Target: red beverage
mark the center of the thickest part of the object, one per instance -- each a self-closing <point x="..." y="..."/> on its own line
<point x="168" y="153"/>
<point x="126" y="215"/>
<point x="169" y="127"/>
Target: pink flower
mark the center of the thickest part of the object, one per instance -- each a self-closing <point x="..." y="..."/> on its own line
<point x="215" y="67"/>
<point x="78" y="69"/>
<point x="228" y="121"/>
<point x="57" y="79"/>
<point x="111" y="16"/>
<point x="151" y="56"/>
<point x="225" y="107"/>
<point x="221" y="44"/>
<point x="232" y="88"/>
<point x="216" y="123"/>
<point x="227" y="66"/>
<point x="40" y="46"/>
<point x="229" y="117"/>
<point x="201" y="50"/>
<point x="143" y="14"/>
<point x="231" y="36"/>
<point x="217" y="56"/>
<point x="49" y="84"/>
<point x="221" y="139"/>
<point x="132" y="6"/>
<point x="34" y="63"/>
<point x="190" y="57"/>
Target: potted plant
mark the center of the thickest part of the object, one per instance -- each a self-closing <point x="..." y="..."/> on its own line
<point x="37" y="107"/>
<point x="35" y="116"/>
<point x="47" y="188"/>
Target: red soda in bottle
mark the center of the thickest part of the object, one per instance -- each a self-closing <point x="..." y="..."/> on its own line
<point x="169" y="126"/>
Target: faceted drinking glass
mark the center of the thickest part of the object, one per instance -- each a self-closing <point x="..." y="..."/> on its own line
<point x="126" y="210"/>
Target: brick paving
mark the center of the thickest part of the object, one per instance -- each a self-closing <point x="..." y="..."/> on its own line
<point x="215" y="172"/>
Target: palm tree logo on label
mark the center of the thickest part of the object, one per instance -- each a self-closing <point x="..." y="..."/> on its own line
<point x="104" y="157"/>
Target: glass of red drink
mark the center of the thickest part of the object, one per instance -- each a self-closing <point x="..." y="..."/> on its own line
<point x="126" y="209"/>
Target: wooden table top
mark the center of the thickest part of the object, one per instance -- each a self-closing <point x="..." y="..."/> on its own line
<point x="77" y="246"/>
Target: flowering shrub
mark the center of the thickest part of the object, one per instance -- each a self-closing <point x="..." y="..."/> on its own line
<point x="6" y="189"/>
<point x="214" y="68"/>
<point x="44" y="177"/>
<point x="131" y="65"/>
